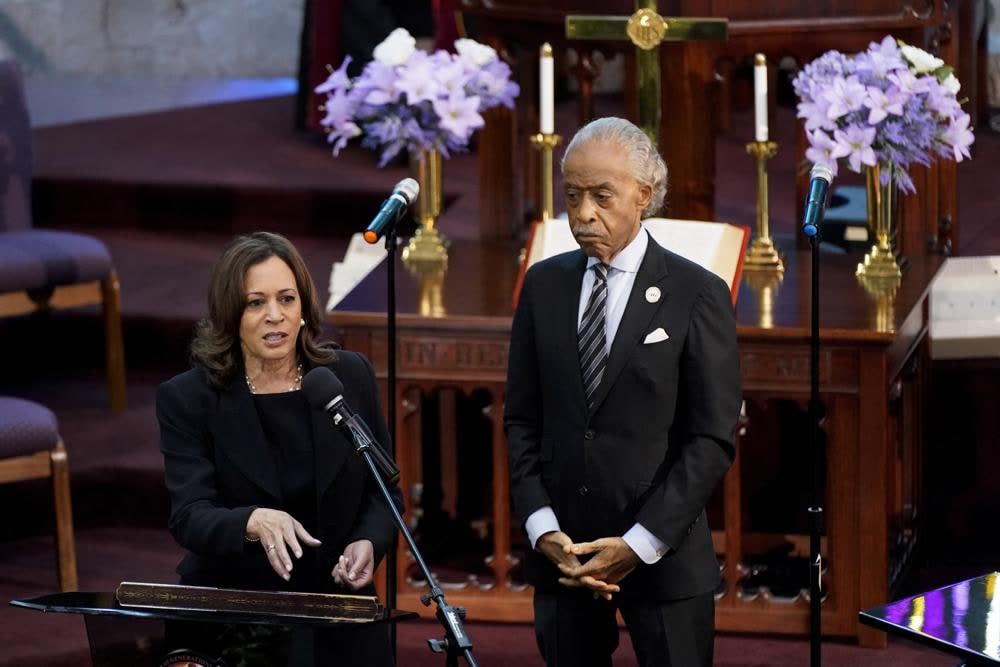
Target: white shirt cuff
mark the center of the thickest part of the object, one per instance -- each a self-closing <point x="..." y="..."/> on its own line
<point x="541" y="521"/>
<point x="648" y="547"/>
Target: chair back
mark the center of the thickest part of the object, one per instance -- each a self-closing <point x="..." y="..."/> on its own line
<point x="15" y="150"/>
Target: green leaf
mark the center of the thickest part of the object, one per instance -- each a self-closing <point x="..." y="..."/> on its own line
<point x="943" y="72"/>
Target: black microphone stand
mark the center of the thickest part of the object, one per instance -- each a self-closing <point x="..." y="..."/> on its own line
<point x="815" y="509"/>
<point x="456" y="642"/>
<point x="391" y="248"/>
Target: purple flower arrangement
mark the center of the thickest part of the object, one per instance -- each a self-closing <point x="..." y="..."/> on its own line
<point x="892" y="105"/>
<point x="407" y="98"/>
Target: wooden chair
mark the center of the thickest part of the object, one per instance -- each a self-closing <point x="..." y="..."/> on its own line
<point x="41" y="269"/>
<point x="31" y="448"/>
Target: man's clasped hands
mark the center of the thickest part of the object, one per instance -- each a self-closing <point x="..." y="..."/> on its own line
<point x="611" y="560"/>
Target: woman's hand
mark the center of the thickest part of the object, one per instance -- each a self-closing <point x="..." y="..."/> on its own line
<point x="356" y="565"/>
<point x="278" y="532"/>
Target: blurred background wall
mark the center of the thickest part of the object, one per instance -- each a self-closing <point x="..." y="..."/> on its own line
<point x="154" y="38"/>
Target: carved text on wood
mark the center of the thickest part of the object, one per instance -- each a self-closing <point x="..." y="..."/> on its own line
<point x="786" y="368"/>
<point x="426" y="353"/>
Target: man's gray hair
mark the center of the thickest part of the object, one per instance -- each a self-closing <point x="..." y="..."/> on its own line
<point x="644" y="159"/>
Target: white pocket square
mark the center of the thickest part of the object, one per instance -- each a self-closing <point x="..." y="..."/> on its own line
<point x="656" y="336"/>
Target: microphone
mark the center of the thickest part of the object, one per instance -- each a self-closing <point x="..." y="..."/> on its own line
<point x="325" y="391"/>
<point x="819" y="184"/>
<point x="402" y="196"/>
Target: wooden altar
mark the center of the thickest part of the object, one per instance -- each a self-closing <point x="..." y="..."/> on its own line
<point x="873" y="366"/>
<point x="696" y="89"/>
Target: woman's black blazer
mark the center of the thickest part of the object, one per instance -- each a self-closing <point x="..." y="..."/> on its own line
<point x="219" y="468"/>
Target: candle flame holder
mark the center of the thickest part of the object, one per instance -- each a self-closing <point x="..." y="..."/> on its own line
<point x="545" y="144"/>
<point x="762" y="254"/>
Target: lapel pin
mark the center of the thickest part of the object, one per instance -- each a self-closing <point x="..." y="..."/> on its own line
<point x="652" y="294"/>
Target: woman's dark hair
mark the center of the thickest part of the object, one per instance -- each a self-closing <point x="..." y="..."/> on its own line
<point x="216" y="344"/>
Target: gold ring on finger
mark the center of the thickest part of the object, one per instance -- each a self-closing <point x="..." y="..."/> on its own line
<point x="269" y="548"/>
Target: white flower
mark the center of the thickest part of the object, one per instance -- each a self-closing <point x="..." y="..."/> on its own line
<point x="396" y="48"/>
<point x="951" y="84"/>
<point x="922" y="61"/>
<point x="476" y="53"/>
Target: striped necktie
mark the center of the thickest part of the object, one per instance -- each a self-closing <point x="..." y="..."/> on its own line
<point x="591" y="335"/>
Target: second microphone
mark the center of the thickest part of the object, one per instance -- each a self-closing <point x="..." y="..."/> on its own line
<point x="403" y="195"/>
<point x="324" y="390"/>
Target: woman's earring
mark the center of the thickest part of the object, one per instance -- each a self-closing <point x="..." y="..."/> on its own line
<point x="302" y="322"/>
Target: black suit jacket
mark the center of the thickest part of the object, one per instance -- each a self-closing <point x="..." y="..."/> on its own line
<point x="219" y="468"/>
<point x="661" y="435"/>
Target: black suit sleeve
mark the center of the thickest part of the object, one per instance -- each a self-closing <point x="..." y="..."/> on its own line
<point x="374" y="521"/>
<point x="703" y="437"/>
<point x="197" y="521"/>
<point x="522" y="414"/>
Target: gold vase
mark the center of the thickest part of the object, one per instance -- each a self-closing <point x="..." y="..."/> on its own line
<point x="427" y="243"/>
<point x="880" y="262"/>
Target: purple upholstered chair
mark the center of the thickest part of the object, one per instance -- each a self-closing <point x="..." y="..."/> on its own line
<point x="30" y="448"/>
<point x="41" y="268"/>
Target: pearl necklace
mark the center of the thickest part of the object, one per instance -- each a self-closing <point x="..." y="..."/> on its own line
<point x="296" y="385"/>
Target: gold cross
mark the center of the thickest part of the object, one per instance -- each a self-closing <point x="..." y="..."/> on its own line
<point x="646" y="29"/>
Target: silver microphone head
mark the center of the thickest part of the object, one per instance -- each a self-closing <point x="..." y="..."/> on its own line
<point x="408" y="188"/>
<point x="821" y="171"/>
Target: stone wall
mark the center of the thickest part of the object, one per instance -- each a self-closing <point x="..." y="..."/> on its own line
<point x="163" y="39"/>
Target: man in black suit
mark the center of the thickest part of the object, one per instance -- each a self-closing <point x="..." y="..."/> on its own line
<point x="623" y="393"/>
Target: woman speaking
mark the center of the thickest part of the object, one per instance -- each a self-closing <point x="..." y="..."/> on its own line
<point x="266" y="493"/>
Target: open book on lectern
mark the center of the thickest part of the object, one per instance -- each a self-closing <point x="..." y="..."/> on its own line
<point x="717" y="246"/>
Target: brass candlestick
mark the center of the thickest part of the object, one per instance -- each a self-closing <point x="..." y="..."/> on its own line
<point x="762" y="254"/>
<point x="545" y="143"/>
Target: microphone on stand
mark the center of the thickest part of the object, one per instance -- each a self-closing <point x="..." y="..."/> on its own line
<point x="325" y="391"/>
<point x="402" y="196"/>
<point x="819" y="185"/>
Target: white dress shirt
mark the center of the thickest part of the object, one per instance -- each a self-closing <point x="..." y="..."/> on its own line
<point x="621" y="277"/>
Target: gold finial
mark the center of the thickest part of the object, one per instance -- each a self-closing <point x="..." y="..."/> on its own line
<point x="760" y="59"/>
<point x="546" y="50"/>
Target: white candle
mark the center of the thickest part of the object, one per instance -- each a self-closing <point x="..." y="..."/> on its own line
<point x="546" y="120"/>
<point x="760" y="97"/>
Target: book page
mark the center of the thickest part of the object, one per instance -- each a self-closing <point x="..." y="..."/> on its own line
<point x="360" y="259"/>
<point x="717" y="246"/>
